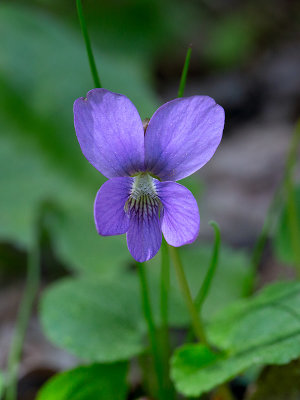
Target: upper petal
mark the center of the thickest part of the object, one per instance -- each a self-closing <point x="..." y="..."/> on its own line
<point x="182" y="136"/>
<point x="110" y="217"/>
<point x="110" y="132"/>
<point x="180" y="219"/>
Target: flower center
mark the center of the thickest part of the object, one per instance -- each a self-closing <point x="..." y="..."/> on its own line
<point x="143" y="199"/>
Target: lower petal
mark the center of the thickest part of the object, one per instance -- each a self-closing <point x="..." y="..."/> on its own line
<point x="110" y="217"/>
<point x="144" y="236"/>
<point x="180" y="219"/>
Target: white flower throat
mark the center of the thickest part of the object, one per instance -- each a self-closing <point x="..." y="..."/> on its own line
<point x="143" y="199"/>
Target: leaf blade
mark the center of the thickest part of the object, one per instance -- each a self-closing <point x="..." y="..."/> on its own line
<point x="256" y="331"/>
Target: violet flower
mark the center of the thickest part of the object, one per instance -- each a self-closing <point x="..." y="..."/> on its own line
<point x="141" y="197"/>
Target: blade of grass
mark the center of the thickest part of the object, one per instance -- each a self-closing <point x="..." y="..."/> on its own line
<point x="88" y="46"/>
<point x="284" y="190"/>
<point x="184" y="72"/>
<point x="205" y="287"/>
<point x="292" y="214"/>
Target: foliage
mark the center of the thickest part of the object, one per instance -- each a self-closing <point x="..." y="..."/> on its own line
<point x="97" y="320"/>
<point x="97" y="314"/>
<point x="283" y="239"/>
<point x="40" y="158"/>
<point x="90" y="326"/>
<point x="230" y="282"/>
<point x="95" y="381"/>
<point x="261" y="330"/>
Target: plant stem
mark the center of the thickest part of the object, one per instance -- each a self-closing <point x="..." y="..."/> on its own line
<point x="88" y="46"/>
<point x="184" y="72"/>
<point x="292" y="214"/>
<point x="23" y="317"/>
<point x="261" y="241"/>
<point x="164" y="311"/>
<point x="274" y="207"/>
<point x="205" y="287"/>
<point x="195" y="318"/>
<point x="151" y="329"/>
<point x="293" y="222"/>
<point x="164" y="285"/>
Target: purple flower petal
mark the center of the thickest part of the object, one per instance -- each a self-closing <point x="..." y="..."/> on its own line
<point x="182" y="136"/>
<point x="144" y="236"/>
<point x="110" y="217"/>
<point x="110" y="133"/>
<point x="180" y="219"/>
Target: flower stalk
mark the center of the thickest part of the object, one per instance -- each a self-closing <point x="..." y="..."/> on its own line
<point x="285" y="188"/>
<point x="205" y="287"/>
<point x="261" y="241"/>
<point x="194" y="315"/>
<point x="151" y="329"/>
<point x="292" y="214"/>
<point x="164" y="314"/>
<point x="164" y="284"/>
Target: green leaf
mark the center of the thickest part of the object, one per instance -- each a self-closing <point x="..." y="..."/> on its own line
<point x="261" y="330"/>
<point x="282" y="240"/>
<point x="96" y="381"/>
<point x="79" y="246"/>
<point x="42" y="71"/>
<point x="96" y="320"/>
<point x="53" y="67"/>
<point x="30" y="180"/>
<point x="230" y="281"/>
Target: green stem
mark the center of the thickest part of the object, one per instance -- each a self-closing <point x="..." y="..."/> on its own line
<point x="261" y="241"/>
<point x="285" y="185"/>
<point x="262" y="238"/>
<point x="151" y="329"/>
<point x="23" y="317"/>
<point x="293" y="222"/>
<point x="164" y="285"/>
<point x="292" y="154"/>
<point x="184" y="72"/>
<point x="164" y="312"/>
<point x="195" y="318"/>
<point x="88" y="46"/>
<point x="292" y="214"/>
<point x="205" y="287"/>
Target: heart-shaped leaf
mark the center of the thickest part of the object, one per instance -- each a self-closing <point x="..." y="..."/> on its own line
<point x="96" y="320"/>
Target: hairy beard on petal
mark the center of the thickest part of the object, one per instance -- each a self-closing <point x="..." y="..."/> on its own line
<point x="143" y="200"/>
